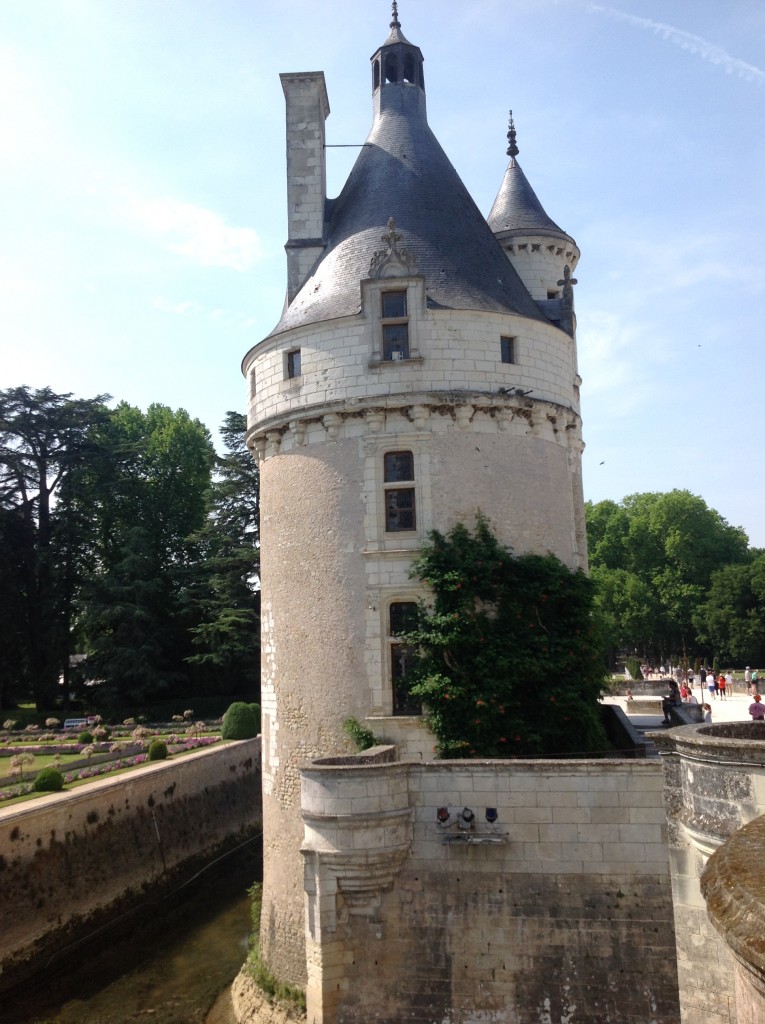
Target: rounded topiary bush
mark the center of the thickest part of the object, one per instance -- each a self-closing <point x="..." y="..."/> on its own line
<point x="157" y="750"/>
<point x="49" y="780"/>
<point x="256" y="711"/>
<point x="85" y="737"/>
<point x="239" y="722"/>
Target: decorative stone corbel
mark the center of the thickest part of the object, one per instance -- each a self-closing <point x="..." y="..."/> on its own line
<point x="273" y="443"/>
<point x="462" y="416"/>
<point x="375" y="420"/>
<point x="332" y="423"/>
<point x="298" y="429"/>
<point x="420" y="416"/>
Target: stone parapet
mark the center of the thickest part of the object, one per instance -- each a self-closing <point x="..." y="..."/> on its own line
<point x="714" y="783"/>
<point x="733" y="885"/>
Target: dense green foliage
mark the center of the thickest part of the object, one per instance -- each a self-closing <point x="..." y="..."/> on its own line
<point x="509" y="656"/>
<point x="255" y="708"/>
<point x="157" y="750"/>
<point x="85" y="737"/>
<point x="731" y="620"/>
<point x="239" y="722"/>
<point x="49" y="780"/>
<point x="653" y="558"/>
<point x="124" y="540"/>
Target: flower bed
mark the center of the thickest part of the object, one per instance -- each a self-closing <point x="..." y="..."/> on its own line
<point x="106" y="765"/>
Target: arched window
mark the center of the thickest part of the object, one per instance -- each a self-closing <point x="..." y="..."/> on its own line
<point x="409" y="72"/>
<point x="391" y="68"/>
<point x="376" y="75"/>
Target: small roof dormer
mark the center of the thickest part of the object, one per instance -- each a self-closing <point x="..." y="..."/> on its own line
<point x="398" y="62"/>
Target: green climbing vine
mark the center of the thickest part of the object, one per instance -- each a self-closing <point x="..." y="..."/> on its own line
<point x="509" y="661"/>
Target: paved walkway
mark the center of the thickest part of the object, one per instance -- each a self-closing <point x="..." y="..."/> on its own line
<point x="733" y="709"/>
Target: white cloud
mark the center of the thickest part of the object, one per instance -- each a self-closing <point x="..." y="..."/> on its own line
<point x="687" y="41"/>
<point x="194" y="232"/>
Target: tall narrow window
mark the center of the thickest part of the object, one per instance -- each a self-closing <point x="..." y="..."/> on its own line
<point x="400" y="513"/>
<point x="294" y="368"/>
<point x="507" y="349"/>
<point x="395" y="325"/>
<point x="401" y="618"/>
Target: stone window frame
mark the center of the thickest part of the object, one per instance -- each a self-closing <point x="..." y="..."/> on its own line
<point x="289" y="364"/>
<point x="508" y="349"/>
<point x="372" y="290"/>
<point x="408" y="485"/>
<point x="397" y="542"/>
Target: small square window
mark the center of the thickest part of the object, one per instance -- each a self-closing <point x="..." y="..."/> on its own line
<point x="293" y="364"/>
<point x="507" y="349"/>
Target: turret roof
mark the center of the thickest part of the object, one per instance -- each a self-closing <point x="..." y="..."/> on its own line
<point x="516" y="206"/>
<point x="402" y="172"/>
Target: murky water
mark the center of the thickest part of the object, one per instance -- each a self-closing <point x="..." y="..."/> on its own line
<point x="173" y="964"/>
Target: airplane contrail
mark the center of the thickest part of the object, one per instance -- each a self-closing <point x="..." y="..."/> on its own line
<point x="693" y="44"/>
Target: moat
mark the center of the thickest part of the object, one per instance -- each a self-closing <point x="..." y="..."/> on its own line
<point x="170" y="962"/>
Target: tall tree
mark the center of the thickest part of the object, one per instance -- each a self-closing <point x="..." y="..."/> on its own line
<point x="44" y="443"/>
<point x="671" y="543"/>
<point x="224" y="595"/>
<point x="149" y="497"/>
<point x="731" y="621"/>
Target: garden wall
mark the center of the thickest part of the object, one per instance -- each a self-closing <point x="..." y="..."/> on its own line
<point x="72" y="862"/>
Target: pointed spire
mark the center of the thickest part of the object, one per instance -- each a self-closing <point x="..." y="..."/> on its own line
<point x="512" y="149"/>
<point x="396" y="35"/>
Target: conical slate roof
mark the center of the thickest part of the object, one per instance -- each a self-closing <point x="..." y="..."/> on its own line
<point x="517" y="207"/>
<point x="402" y="172"/>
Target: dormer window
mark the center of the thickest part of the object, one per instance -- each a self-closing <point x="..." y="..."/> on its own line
<point x="395" y="325"/>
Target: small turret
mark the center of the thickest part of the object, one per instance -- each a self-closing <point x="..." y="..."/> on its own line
<point x="540" y="251"/>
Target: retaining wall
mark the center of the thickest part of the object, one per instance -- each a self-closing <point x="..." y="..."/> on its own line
<point x="71" y="862"/>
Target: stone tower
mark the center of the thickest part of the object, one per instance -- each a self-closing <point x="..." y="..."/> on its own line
<point x="421" y="371"/>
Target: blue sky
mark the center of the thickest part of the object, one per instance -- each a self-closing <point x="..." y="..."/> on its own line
<point x="143" y="206"/>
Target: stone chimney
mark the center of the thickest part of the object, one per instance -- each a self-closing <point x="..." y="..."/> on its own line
<point x="307" y="112"/>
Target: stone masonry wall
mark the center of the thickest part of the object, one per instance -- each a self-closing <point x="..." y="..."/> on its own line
<point x="560" y="912"/>
<point x="714" y="783"/>
<point x="69" y="862"/>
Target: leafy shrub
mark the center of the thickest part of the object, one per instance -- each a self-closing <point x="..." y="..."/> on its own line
<point x="239" y="722"/>
<point x="85" y="737"/>
<point x="49" y="780"/>
<point x="157" y="750"/>
<point x="256" y="711"/>
<point x="362" y="737"/>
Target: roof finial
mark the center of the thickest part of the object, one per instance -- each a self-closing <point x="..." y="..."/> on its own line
<point x="395" y="23"/>
<point x="512" y="149"/>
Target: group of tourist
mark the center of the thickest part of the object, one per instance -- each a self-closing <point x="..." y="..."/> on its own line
<point x="680" y="691"/>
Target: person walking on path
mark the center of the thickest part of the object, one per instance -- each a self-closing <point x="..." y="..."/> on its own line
<point x="757" y="709"/>
<point x="711" y="681"/>
<point x="748" y="679"/>
<point x="722" y="686"/>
